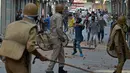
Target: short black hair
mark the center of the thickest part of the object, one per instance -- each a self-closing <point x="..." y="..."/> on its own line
<point x="70" y="14"/>
<point x="79" y="20"/>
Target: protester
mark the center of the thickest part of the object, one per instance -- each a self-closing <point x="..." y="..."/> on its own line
<point x="101" y="24"/>
<point x="93" y="30"/>
<point x="78" y="36"/>
<point x="71" y="22"/>
<point x="47" y="21"/>
<point x="105" y="17"/>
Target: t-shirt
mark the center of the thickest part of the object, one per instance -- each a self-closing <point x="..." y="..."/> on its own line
<point x="47" y="20"/>
<point x="78" y="33"/>
<point x="71" y="22"/>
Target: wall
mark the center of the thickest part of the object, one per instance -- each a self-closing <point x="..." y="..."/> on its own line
<point x="108" y="6"/>
<point x="8" y="10"/>
<point x="88" y="5"/>
<point x="0" y="16"/>
<point x="7" y="14"/>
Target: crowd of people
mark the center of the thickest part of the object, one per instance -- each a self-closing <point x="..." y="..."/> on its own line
<point x="94" y="23"/>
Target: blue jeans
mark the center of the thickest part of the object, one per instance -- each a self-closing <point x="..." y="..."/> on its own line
<point x="77" y="45"/>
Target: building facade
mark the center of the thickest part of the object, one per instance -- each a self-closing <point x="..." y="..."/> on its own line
<point x="8" y="9"/>
<point x="119" y="7"/>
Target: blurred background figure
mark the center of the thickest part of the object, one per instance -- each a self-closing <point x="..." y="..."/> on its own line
<point x="101" y="24"/>
<point x="71" y="22"/>
<point x="47" y="21"/>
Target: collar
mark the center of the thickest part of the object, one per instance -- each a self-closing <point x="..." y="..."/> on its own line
<point x="29" y="19"/>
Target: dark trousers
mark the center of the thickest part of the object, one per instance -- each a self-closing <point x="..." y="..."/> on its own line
<point x="88" y="34"/>
<point x="101" y="35"/>
<point x="65" y="26"/>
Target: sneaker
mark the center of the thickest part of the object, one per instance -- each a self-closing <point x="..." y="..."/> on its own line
<point x="81" y="55"/>
<point x="74" y="53"/>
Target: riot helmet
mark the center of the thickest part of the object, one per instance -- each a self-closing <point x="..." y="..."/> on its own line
<point x="121" y="20"/>
<point x="30" y="10"/>
<point x="59" y="8"/>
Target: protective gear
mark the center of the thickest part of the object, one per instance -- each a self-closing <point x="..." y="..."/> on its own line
<point x="111" y="47"/>
<point x="59" y="8"/>
<point x="13" y="44"/>
<point x="118" y="47"/>
<point x="30" y="10"/>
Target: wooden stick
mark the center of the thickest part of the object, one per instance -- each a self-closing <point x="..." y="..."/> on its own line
<point x="66" y="65"/>
<point x="72" y="66"/>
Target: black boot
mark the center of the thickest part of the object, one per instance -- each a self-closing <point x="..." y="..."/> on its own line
<point x="49" y="71"/>
<point x="61" y="70"/>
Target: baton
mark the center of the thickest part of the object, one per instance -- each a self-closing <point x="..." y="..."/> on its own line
<point x="66" y="65"/>
<point x="72" y="66"/>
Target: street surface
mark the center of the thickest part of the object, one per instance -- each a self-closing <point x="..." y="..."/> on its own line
<point x="94" y="60"/>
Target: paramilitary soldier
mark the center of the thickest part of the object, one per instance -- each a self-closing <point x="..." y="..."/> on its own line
<point x="56" y="38"/>
<point x="118" y="44"/>
<point x="19" y="42"/>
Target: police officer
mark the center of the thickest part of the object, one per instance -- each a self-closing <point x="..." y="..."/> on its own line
<point x="56" y="38"/>
<point x="19" y="42"/>
<point x="118" y="43"/>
